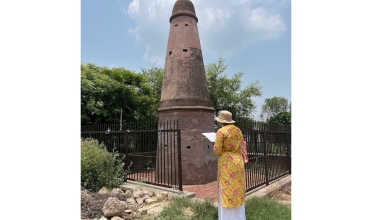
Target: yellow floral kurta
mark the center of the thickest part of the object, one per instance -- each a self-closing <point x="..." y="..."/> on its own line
<point x="231" y="175"/>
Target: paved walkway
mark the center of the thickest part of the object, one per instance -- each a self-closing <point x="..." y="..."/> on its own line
<point x="210" y="190"/>
<point x="205" y="191"/>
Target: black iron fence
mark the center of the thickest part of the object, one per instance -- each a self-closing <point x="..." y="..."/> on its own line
<point x="155" y="154"/>
<point x="269" y="154"/>
<point x="139" y="146"/>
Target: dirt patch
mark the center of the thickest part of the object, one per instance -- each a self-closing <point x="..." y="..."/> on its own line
<point x="283" y="193"/>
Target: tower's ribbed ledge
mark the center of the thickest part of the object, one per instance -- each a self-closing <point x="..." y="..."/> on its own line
<point x="173" y="108"/>
<point x="185" y="102"/>
<point x="183" y="13"/>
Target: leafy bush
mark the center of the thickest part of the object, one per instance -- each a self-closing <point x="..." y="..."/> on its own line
<point x="99" y="167"/>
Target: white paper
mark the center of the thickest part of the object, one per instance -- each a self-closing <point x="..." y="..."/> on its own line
<point x="211" y="136"/>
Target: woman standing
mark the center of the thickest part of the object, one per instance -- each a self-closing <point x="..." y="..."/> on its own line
<point x="231" y="174"/>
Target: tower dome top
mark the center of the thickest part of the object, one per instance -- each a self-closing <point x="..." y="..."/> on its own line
<point x="183" y="8"/>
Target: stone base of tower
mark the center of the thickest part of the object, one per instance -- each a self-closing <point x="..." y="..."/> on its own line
<point x="199" y="163"/>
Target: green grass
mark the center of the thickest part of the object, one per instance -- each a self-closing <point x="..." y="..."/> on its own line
<point x="263" y="208"/>
<point x="256" y="208"/>
<point x="200" y="210"/>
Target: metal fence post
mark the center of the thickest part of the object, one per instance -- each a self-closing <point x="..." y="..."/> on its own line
<point x="179" y="159"/>
<point x="265" y="159"/>
<point x="288" y="152"/>
<point x="126" y="145"/>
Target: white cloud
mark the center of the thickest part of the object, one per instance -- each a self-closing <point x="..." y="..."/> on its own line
<point x="226" y="28"/>
<point x="259" y="21"/>
<point x="213" y="17"/>
<point x="134" y="7"/>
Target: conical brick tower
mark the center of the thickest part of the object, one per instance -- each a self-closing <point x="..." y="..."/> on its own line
<point x="185" y="96"/>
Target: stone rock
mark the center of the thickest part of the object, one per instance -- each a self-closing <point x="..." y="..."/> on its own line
<point x="128" y="211"/>
<point x="146" y="197"/>
<point x="103" y="190"/>
<point x="103" y="218"/>
<point x="116" y="191"/>
<point x="155" y="208"/>
<point x="113" y="207"/>
<point x="149" y="201"/>
<point x="128" y="193"/>
<point x="131" y="201"/>
<point x="117" y="218"/>
<point x="164" y="194"/>
<point x="159" y="197"/>
<point x="139" y="201"/>
<point x="142" y="211"/>
<point x="137" y="194"/>
<point x="132" y="207"/>
<point x="152" y="209"/>
<point x="148" y="192"/>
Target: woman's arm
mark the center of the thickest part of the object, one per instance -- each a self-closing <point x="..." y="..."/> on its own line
<point x="243" y="151"/>
<point x="217" y="145"/>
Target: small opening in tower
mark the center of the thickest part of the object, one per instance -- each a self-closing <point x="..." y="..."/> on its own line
<point x="170" y="52"/>
<point x="184" y="50"/>
<point x="186" y="24"/>
<point x="176" y="25"/>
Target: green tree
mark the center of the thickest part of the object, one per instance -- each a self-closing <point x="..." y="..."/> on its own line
<point x="154" y="78"/>
<point x="226" y="93"/>
<point x="274" y="106"/>
<point x="105" y="91"/>
<point x="283" y="118"/>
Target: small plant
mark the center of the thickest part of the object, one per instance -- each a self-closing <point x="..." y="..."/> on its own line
<point x="99" y="167"/>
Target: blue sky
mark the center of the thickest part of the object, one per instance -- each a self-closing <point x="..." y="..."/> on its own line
<point x="253" y="36"/>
